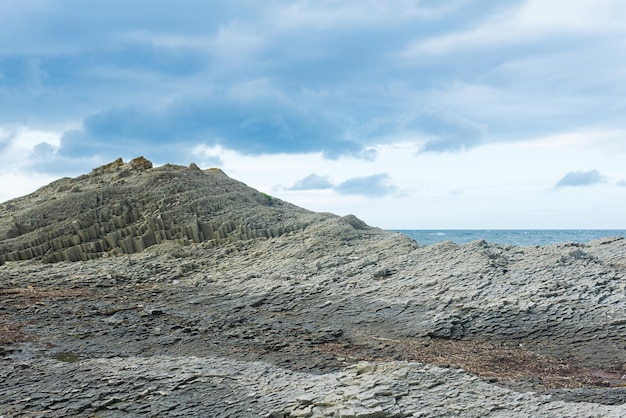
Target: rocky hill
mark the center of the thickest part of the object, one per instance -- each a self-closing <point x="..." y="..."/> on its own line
<point x="125" y="208"/>
<point x="175" y="291"/>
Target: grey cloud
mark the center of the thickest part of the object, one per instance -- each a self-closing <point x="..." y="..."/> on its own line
<point x="141" y="81"/>
<point x="444" y="130"/>
<point x="581" y="178"/>
<point x="42" y="150"/>
<point x="376" y="185"/>
<point x="449" y="133"/>
<point x="260" y="126"/>
<point x="312" y="182"/>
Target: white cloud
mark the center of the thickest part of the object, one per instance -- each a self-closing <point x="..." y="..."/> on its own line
<point x="312" y="182"/>
<point x="376" y="185"/>
<point x="160" y="39"/>
<point x="237" y="43"/>
<point x="573" y="16"/>
<point x="19" y="174"/>
<point x="302" y="15"/>
<point x="533" y="21"/>
<point x="17" y="145"/>
<point x="207" y="156"/>
<point x="581" y="178"/>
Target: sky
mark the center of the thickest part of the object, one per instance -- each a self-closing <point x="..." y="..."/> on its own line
<point x="409" y="114"/>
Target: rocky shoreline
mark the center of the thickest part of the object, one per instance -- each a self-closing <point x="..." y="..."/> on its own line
<point x="197" y="295"/>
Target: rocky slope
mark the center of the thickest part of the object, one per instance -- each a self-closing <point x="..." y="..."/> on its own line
<point x="170" y="291"/>
<point x="126" y="208"/>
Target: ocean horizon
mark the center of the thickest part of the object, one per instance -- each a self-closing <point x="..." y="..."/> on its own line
<point x="520" y="237"/>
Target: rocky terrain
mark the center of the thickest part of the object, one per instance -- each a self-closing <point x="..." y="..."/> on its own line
<point x="176" y="291"/>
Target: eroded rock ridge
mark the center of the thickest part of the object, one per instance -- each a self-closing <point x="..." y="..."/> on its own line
<point x="125" y="208"/>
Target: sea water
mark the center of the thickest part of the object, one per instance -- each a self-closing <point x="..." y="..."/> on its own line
<point x="510" y="236"/>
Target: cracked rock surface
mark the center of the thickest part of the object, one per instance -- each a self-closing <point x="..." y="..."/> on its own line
<point x="175" y="291"/>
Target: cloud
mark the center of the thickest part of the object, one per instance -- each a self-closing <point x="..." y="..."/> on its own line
<point x="29" y="159"/>
<point x="254" y="126"/>
<point x="309" y="15"/>
<point x="312" y="182"/>
<point x="337" y="78"/>
<point x="449" y="133"/>
<point x="521" y="23"/>
<point x="5" y="138"/>
<point x="621" y="183"/>
<point x="581" y="178"/>
<point x="376" y="185"/>
<point x="43" y="150"/>
<point x="578" y="16"/>
<point x="139" y="70"/>
<point x="438" y="129"/>
<point x="209" y="156"/>
<point x="526" y="68"/>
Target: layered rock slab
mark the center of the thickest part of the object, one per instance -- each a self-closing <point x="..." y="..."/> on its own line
<point x="189" y="386"/>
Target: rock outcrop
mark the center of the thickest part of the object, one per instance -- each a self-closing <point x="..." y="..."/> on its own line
<point x="227" y="302"/>
<point x="125" y="208"/>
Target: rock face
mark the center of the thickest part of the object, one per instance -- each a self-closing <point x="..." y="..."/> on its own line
<point x="227" y="302"/>
<point x="125" y="208"/>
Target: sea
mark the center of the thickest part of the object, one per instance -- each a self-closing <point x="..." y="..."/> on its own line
<point x="520" y="237"/>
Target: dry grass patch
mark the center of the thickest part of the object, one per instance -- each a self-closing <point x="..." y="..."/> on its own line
<point x="493" y="362"/>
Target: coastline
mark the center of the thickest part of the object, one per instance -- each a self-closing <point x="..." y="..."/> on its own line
<point x="519" y="237"/>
